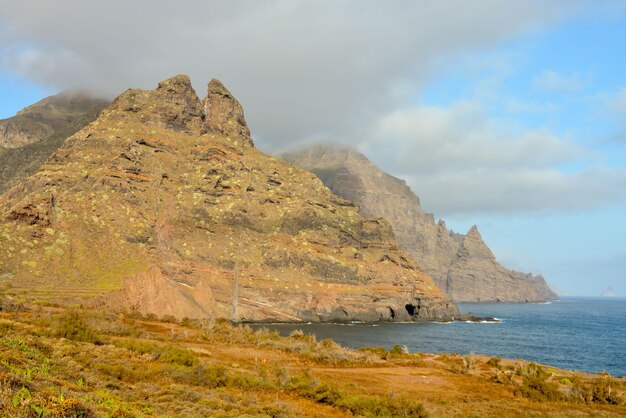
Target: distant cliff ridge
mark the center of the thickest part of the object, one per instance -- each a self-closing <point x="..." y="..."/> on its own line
<point x="462" y="265"/>
<point x="37" y="131"/>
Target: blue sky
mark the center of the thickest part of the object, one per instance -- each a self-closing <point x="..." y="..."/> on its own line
<point x="562" y="79"/>
<point x="17" y="93"/>
<point x="566" y="80"/>
<point x="509" y="115"/>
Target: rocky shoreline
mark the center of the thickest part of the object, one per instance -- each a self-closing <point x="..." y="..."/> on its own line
<point x="459" y="318"/>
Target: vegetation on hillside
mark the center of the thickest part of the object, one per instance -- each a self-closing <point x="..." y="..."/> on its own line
<point x="81" y="363"/>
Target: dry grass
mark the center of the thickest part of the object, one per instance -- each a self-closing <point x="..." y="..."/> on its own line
<point x="80" y="363"/>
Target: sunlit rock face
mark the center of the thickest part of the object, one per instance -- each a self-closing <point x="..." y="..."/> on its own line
<point x="159" y="202"/>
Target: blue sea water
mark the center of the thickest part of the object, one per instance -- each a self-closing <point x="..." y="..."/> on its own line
<point x="573" y="333"/>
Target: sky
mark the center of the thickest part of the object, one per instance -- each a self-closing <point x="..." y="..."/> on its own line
<point x="508" y="115"/>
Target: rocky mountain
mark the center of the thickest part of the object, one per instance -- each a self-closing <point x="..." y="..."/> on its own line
<point x="163" y="202"/>
<point x="33" y="134"/>
<point x="463" y="265"/>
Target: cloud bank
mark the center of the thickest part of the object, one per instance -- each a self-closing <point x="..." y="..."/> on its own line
<point x="307" y="71"/>
<point x="464" y="163"/>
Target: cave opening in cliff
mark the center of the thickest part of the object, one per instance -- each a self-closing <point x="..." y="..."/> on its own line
<point x="410" y="308"/>
<point x="392" y="313"/>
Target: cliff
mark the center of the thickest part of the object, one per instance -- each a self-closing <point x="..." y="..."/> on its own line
<point x="163" y="202"/>
<point x="462" y="265"/>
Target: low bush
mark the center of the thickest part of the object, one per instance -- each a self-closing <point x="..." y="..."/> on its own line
<point x="540" y="390"/>
<point x="73" y="327"/>
<point x="494" y="362"/>
<point x="399" y="349"/>
<point x="599" y="391"/>
<point x="536" y="384"/>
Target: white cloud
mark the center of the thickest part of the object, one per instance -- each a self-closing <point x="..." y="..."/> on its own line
<point x="552" y="81"/>
<point x="515" y="191"/>
<point x="302" y="70"/>
<point x="442" y="139"/>
<point x="323" y="69"/>
<point x="462" y="162"/>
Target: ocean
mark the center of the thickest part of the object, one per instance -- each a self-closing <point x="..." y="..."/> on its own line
<point x="585" y="334"/>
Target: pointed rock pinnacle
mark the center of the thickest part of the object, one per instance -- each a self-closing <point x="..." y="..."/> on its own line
<point x="224" y="114"/>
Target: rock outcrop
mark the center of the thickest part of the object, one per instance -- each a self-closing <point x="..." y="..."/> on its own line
<point x="461" y="264"/>
<point x="475" y="275"/>
<point x="162" y="203"/>
<point x="224" y="114"/>
<point x="30" y="137"/>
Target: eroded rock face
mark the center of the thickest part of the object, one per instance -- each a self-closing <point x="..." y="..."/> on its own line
<point x="475" y="275"/>
<point x="149" y="209"/>
<point x="174" y="105"/>
<point x="30" y="137"/>
<point x="224" y="114"/>
<point x="461" y="264"/>
<point x="149" y="292"/>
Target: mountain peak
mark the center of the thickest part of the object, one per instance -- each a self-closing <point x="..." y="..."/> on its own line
<point x="474" y="244"/>
<point x="216" y="86"/>
<point x="473" y="233"/>
<point x="180" y="83"/>
<point x="224" y="115"/>
<point x="172" y="105"/>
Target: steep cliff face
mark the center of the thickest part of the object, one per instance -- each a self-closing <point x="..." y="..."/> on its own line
<point x="475" y="275"/>
<point x="30" y="137"/>
<point x="162" y="203"/>
<point x="462" y="265"/>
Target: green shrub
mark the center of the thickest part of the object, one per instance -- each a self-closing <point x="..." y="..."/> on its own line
<point x="73" y="327"/>
<point x="208" y="376"/>
<point x="494" y="362"/>
<point x="178" y="356"/>
<point x="540" y="390"/>
<point x="600" y="391"/>
<point x="398" y="349"/>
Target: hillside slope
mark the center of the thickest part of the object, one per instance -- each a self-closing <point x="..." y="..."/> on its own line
<point x="158" y="204"/>
<point x="463" y="265"/>
<point x="37" y="131"/>
<point x="93" y="363"/>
